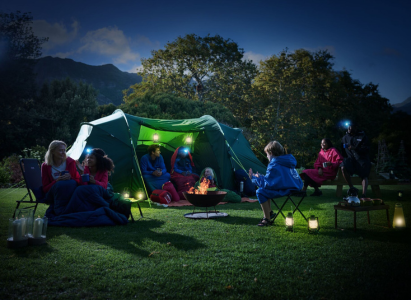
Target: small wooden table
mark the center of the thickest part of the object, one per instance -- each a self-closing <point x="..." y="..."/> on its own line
<point x="356" y="209"/>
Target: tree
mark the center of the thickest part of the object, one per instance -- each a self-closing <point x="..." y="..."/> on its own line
<point x="172" y="107"/>
<point x="19" y="49"/>
<point x="302" y="100"/>
<point x="209" y="69"/>
<point x="63" y="105"/>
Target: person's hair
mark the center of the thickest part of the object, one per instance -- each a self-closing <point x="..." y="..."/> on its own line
<point x="329" y="143"/>
<point x="103" y="162"/>
<point x="48" y="158"/>
<point x="211" y="170"/>
<point x="275" y="148"/>
<point x="152" y="148"/>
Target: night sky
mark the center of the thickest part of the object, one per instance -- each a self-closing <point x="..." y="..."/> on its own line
<point x="370" y="39"/>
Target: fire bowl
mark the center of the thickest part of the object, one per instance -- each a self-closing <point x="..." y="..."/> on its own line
<point x="212" y="198"/>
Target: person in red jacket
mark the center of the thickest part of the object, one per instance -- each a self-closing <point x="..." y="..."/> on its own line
<point x="57" y="166"/>
<point x="59" y="176"/>
<point x="98" y="165"/>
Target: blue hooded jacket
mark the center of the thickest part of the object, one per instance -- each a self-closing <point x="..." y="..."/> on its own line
<point x="281" y="177"/>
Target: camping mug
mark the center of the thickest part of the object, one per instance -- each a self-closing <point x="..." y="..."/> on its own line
<point x="85" y="177"/>
<point x="63" y="172"/>
<point x="324" y="165"/>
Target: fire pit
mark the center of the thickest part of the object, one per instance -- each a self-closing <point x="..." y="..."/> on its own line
<point x="212" y="198"/>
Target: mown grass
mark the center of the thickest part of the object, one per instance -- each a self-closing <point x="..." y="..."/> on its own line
<point x="166" y="256"/>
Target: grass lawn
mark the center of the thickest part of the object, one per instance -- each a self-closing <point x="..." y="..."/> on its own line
<point x="166" y="256"/>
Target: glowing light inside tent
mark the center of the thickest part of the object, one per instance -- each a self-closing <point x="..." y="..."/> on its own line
<point x="155" y="137"/>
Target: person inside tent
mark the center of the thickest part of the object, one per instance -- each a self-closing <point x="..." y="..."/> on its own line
<point x="208" y="173"/>
<point x="325" y="167"/>
<point x="182" y="174"/>
<point x="59" y="176"/>
<point x="155" y="173"/>
<point x="98" y="165"/>
<point x="280" y="179"/>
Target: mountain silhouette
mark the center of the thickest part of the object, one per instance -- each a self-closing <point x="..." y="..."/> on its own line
<point x="107" y="79"/>
<point x="405" y="106"/>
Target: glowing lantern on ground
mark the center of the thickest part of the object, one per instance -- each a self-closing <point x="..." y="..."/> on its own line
<point x="155" y="137"/>
<point x="313" y="225"/>
<point x="140" y="194"/>
<point x="399" y="220"/>
<point x="289" y="222"/>
<point x="126" y="193"/>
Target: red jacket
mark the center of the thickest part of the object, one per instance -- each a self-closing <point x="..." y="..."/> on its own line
<point x="101" y="177"/>
<point x="48" y="180"/>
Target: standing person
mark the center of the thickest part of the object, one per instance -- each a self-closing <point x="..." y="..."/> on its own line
<point x="98" y="165"/>
<point x="358" y="162"/>
<point x="153" y="168"/>
<point x="280" y="179"/>
<point x="59" y="176"/>
<point x="325" y="167"/>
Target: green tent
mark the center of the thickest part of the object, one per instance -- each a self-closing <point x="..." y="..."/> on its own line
<point x="125" y="139"/>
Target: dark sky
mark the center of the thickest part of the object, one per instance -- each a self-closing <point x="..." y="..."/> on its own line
<point x="371" y="39"/>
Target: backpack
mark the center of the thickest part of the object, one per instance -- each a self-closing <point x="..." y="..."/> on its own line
<point x="161" y="196"/>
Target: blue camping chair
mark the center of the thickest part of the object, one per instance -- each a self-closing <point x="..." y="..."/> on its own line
<point x="30" y="167"/>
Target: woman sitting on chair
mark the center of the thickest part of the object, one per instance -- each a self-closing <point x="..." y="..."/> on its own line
<point x="182" y="171"/>
<point x="280" y="179"/>
<point x="59" y="176"/>
<point x="325" y="167"/>
<point x="98" y="165"/>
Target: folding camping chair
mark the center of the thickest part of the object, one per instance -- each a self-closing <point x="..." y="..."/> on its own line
<point x="30" y="167"/>
<point x="301" y="194"/>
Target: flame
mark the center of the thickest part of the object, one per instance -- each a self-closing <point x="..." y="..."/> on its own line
<point x="202" y="189"/>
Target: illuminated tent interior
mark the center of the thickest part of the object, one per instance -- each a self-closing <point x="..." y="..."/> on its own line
<point x="125" y="139"/>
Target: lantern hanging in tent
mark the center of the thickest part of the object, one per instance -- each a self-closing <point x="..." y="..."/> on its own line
<point x="189" y="140"/>
<point x="313" y="224"/>
<point x="155" y="137"/>
<point x="399" y="220"/>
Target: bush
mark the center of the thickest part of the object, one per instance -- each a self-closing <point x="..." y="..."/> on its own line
<point x="12" y="168"/>
<point x="37" y="152"/>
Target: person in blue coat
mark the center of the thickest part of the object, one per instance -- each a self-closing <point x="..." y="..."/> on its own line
<point x="280" y="179"/>
<point x="153" y="168"/>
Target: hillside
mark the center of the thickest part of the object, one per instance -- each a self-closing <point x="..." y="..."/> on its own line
<point x="107" y="79"/>
<point x="405" y="106"/>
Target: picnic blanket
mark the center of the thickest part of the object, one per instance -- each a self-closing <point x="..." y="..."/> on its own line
<point x="88" y="206"/>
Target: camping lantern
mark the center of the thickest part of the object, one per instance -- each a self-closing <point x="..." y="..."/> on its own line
<point x="313" y="224"/>
<point x="289" y="222"/>
<point x="399" y="196"/>
<point x="189" y="140"/>
<point x="399" y="220"/>
<point x="37" y="231"/>
<point x="17" y="235"/>
<point x="139" y="194"/>
<point x="392" y="175"/>
<point x="126" y="193"/>
<point x="155" y="137"/>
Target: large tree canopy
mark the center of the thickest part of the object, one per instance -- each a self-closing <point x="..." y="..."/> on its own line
<point x="210" y="69"/>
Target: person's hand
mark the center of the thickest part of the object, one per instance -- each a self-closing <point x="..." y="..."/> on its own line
<point x="80" y="166"/>
<point x="320" y="172"/>
<point x="188" y="173"/>
<point x="64" y="177"/>
<point x="257" y="174"/>
<point x="92" y="180"/>
<point x="328" y="163"/>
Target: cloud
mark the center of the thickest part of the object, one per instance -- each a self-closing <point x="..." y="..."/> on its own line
<point x="57" y="33"/>
<point x="109" y="42"/>
<point x="142" y="40"/>
<point x="135" y="69"/>
<point x="389" y="52"/>
<point x="255" y="57"/>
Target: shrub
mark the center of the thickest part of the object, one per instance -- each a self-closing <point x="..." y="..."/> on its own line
<point x="11" y="166"/>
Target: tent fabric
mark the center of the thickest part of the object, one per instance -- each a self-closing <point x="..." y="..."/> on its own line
<point x="124" y="137"/>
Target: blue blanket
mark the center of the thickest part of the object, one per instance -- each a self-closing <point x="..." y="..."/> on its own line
<point x="88" y="206"/>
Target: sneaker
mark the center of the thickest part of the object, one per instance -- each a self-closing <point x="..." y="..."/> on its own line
<point x="316" y="193"/>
